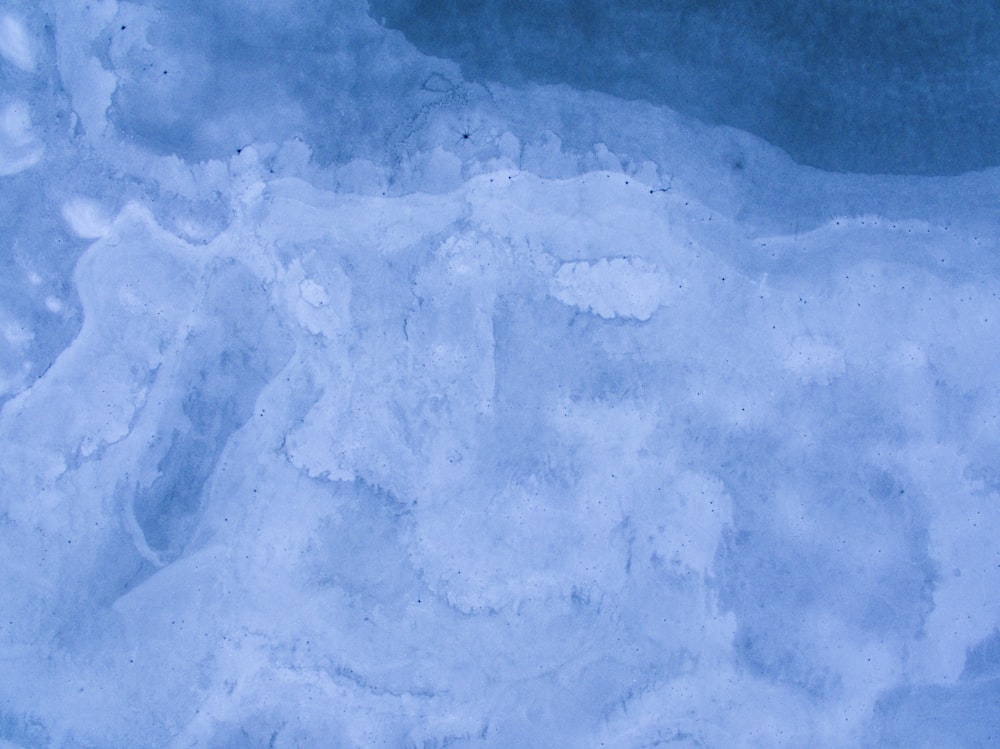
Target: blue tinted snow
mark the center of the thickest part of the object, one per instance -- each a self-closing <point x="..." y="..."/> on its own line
<point x="370" y="380"/>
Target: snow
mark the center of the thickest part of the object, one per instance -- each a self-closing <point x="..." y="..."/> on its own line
<point x="349" y="399"/>
<point x="20" y="148"/>
<point x="15" y="44"/>
<point x="625" y="287"/>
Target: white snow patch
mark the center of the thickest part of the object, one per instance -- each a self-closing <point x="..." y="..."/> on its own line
<point x="15" y="45"/>
<point x="86" y="218"/>
<point x="620" y="287"/>
<point x="20" y="149"/>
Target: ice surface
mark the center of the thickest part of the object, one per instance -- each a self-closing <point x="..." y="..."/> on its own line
<point x="851" y="85"/>
<point x="348" y="403"/>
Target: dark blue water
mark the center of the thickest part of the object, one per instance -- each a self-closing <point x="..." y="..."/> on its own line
<point x="873" y="86"/>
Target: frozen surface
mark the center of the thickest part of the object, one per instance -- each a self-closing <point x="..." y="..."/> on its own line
<point x="349" y="403"/>
<point x="848" y="85"/>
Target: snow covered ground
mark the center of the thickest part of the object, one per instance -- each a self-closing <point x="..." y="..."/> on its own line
<point x="349" y="402"/>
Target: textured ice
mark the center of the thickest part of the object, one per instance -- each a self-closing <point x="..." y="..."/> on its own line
<point x="348" y="403"/>
<point x="852" y="85"/>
